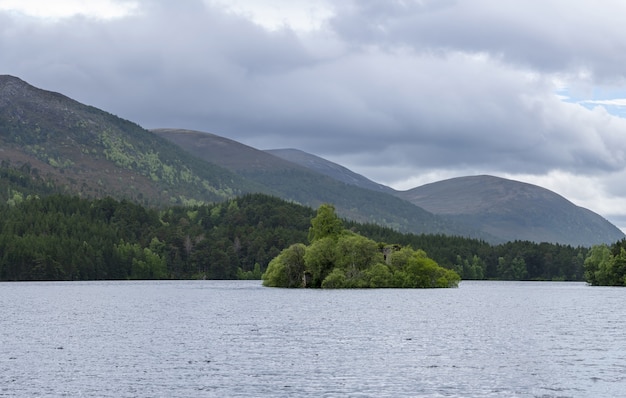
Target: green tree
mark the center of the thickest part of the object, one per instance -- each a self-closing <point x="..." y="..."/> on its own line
<point x="148" y="265"/>
<point x="254" y="274"/>
<point x="512" y="269"/>
<point x="379" y="275"/>
<point x="422" y="271"/>
<point x="320" y="259"/>
<point x="286" y="269"/>
<point x="354" y="251"/>
<point x="335" y="280"/>
<point x="598" y="265"/>
<point x="325" y="224"/>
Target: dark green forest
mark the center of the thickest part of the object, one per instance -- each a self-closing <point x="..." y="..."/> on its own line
<point x="61" y="237"/>
<point x="46" y="234"/>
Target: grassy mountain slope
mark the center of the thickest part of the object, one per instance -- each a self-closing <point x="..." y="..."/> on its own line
<point x="514" y="210"/>
<point x="299" y="184"/>
<point x="93" y="153"/>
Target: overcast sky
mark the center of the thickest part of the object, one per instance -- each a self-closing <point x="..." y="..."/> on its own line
<point x="405" y="92"/>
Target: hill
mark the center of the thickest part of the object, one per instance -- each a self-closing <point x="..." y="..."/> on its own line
<point x="513" y="210"/>
<point x="293" y="182"/>
<point x="84" y="150"/>
<point x="503" y="210"/>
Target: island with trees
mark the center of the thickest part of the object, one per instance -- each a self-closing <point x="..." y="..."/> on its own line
<point x="339" y="258"/>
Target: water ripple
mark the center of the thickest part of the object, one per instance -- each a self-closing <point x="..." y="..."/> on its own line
<point x="238" y="339"/>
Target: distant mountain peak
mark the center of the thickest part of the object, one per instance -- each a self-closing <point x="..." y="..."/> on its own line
<point x="11" y="87"/>
<point x="513" y="210"/>
<point x="7" y="79"/>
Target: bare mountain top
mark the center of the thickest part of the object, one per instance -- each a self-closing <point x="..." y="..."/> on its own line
<point x="477" y="194"/>
<point x="513" y="210"/>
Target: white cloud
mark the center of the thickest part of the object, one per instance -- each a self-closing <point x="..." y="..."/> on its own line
<point x="299" y="15"/>
<point x="99" y="9"/>
<point x="612" y="102"/>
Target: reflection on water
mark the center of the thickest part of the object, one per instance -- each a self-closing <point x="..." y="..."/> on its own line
<point x="236" y="338"/>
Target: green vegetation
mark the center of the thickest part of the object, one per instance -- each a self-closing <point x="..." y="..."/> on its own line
<point x="60" y="237"/>
<point x="477" y="259"/>
<point x="48" y="235"/>
<point x="606" y="266"/>
<point x="339" y="258"/>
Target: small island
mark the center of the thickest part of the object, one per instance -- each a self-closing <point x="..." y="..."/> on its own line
<point x="338" y="258"/>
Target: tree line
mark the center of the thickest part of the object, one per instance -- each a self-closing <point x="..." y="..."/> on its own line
<point x="62" y="237"/>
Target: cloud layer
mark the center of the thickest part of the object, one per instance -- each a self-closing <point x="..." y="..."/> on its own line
<point x="404" y="92"/>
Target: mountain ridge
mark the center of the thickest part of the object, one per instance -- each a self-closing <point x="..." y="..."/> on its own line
<point x="92" y="153"/>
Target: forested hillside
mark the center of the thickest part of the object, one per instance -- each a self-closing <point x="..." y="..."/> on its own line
<point x="66" y="238"/>
<point x="61" y="237"/>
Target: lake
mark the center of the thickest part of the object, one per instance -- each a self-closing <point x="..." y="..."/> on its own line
<point x="239" y="339"/>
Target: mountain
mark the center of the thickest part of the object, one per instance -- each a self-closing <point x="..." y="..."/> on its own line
<point x="291" y="181"/>
<point x="503" y="210"/>
<point x="51" y="143"/>
<point x="490" y="208"/>
<point x="90" y="152"/>
<point x="513" y="210"/>
<point x="325" y="167"/>
<point x="83" y="150"/>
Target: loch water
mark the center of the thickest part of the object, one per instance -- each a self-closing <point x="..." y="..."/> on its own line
<point x="239" y="339"/>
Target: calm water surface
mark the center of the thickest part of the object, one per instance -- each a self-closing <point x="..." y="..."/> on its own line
<point x="238" y="339"/>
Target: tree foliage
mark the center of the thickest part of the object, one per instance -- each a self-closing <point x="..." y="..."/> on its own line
<point x="325" y="224"/>
<point x="60" y="237"/>
<point x="606" y="266"/>
<point x="477" y="259"/>
<point x="338" y="258"/>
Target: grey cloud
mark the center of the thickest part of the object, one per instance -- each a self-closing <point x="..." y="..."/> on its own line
<point x="197" y="66"/>
<point x="554" y="35"/>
